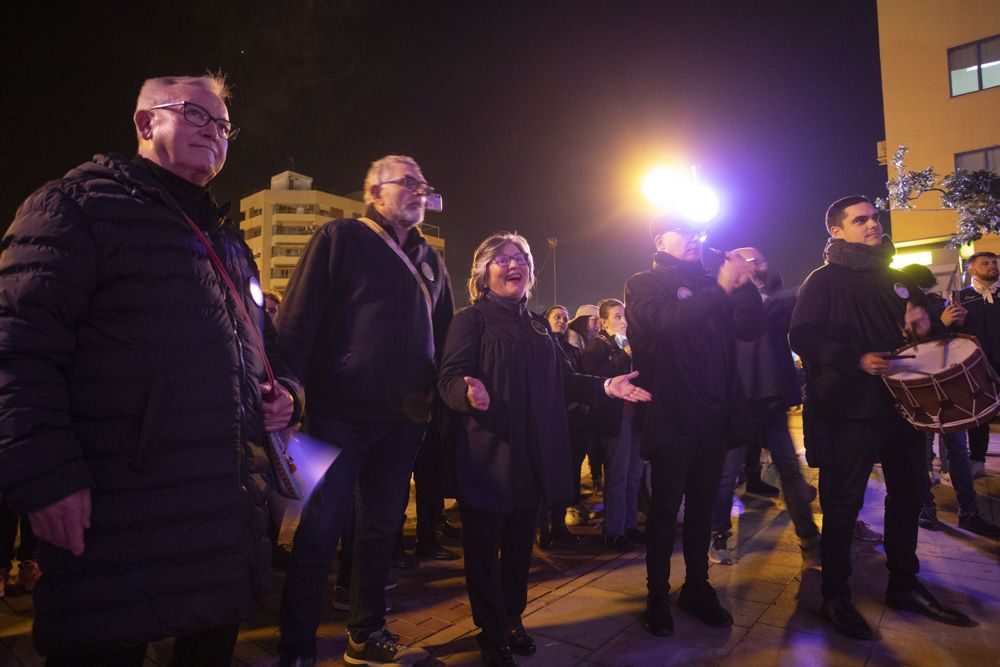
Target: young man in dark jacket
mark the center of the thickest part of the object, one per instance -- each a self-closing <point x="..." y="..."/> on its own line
<point x="363" y="326"/>
<point x="683" y="327"/>
<point x="851" y="314"/>
<point x="131" y="395"/>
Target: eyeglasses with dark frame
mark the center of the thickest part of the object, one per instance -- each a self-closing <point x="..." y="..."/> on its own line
<point x="412" y="184"/>
<point x="504" y="260"/>
<point x="199" y="117"/>
<point x="690" y="233"/>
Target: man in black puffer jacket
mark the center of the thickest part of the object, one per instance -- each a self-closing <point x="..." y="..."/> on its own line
<point x="131" y="395"/>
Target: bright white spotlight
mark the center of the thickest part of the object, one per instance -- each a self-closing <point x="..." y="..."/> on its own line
<point x="678" y="191"/>
<point x="699" y="203"/>
<point x="664" y="186"/>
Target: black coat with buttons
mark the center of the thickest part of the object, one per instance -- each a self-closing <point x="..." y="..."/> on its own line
<point x="125" y="368"/>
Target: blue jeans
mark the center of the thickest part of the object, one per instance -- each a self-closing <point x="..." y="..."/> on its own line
<point x="376" y="458"/>
<point x="956" y="453"/>
<point x="794" y="489"/>
<point x="622" y="472"/>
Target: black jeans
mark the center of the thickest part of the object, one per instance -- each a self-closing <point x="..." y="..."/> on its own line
<point x="428" y="482"/>
<point x="691" y="469"/>
<point x="210" y="648"/>
<point x="843" y="476"/>
<point x="497" y="559"/>
<point x="979" y="442"/>
<point x="377" y="460"/>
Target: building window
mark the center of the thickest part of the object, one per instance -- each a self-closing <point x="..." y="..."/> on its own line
<point x="984" y="158"/>
<point x="252" y="232"/>
<point x="975" y="66"/>
<point x="281" y="272"/>
<point x="287" y="250"/>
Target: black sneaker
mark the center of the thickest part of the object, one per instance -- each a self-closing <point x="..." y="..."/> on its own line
<point x="658" y="620"/>
<point x="928" y="518"/>
<point x="382" y="648"/>
<point x="974" y="523"/>
<point x="520" y="642"/>
<point x="701" y="601"/>
<point x="495" y="655"/>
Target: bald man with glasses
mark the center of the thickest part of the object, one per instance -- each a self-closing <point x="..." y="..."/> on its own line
<point x="134" y="398"/>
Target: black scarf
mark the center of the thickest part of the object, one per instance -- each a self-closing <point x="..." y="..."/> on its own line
<point x="858" y="256"/>
<point x="512" y="306"/>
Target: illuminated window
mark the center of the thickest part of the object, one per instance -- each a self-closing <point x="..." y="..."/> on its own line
<point x="975" y="66"/>
<point x="985" y="158"/>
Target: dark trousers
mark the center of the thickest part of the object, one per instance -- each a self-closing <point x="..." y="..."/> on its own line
<point x="26" y="548"/>
<point x="692" y="470"/>
<point x="843" y="476"/>
<point x="497" y="558"/>
<point x="428" y="482"/>
<point x="377" y="460"/>
<point x="579" y="436"/>
<point x="210" y="648"/>
<point x="979" y="442"/>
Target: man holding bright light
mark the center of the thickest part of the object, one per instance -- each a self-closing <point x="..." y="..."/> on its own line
<point x="851" y="314"/>
<point x="683" y="326"/>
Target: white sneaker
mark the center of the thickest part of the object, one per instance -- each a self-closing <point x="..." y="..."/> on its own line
<point x="718" y="550"/>
<point x="575" y="516"/>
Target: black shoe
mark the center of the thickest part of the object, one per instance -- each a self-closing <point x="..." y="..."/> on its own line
<point x="974" y="523"/>
<point x="561" y="536"/>
<point x="448" y="529"/>
<point x="435" y="551"/>
<point x="841" y="612"/>
<point x="658" y="620"/>
<point x="759" y="487"/>
<point x="703" y="603"/>
<point x="617" y="542"/>
<point x="635" y="536"/>
<point x="920" y="600"/>
<point x="520" y="642"/>
<point x="495" y="655"/>
<point x="928" y="518"/>
<point x="299" y="661"/>
<point x="402" y="560"/>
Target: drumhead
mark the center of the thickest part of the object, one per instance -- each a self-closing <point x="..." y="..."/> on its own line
<point x="931" y="357"/>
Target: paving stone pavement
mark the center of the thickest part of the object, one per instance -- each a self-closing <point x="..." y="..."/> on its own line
<point x="584" y="602"/>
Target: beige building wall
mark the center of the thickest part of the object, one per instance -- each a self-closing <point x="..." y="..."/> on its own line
<point x="914" y="38"/>
<point x="277" y="223"/>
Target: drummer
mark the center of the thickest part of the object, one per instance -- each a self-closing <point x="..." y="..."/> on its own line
<point x="851" y="314"/>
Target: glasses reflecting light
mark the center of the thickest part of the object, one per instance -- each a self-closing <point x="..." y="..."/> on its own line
<point x="412" y="184"/>
<point x="199" y="117"/>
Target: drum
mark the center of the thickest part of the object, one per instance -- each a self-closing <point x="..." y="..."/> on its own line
<point x="944" y="384"/>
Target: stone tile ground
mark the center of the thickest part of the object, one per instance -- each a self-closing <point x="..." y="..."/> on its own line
<point x="584" y="602"/>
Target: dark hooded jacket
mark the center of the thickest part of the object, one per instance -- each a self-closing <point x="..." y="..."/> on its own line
<point x="683" y="329"/>
<point x="125" y="368"/>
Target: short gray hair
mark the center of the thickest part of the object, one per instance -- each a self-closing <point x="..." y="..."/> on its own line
<point x="484" y="255"/>
<point x="374" y="175"/>
<point x="154" y="91"/>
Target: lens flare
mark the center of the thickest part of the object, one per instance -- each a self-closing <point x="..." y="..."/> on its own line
<point x="677" y="191"/>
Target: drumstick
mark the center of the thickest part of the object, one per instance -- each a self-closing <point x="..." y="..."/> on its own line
<point x="894" y="357"/>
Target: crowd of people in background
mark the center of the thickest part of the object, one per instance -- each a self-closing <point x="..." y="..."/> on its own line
<point x="145" y="378"/>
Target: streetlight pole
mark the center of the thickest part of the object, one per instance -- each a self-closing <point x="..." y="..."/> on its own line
<point x="553" y="242"/>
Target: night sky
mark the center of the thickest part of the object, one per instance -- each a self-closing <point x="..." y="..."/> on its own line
<point x="535" y="117"/>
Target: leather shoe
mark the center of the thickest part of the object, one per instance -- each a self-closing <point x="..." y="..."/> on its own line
<point x="448" y="529"/>
<point x="701" y="601"/>
<point x="658" y="620"/>
<point x="975" y="523"/>
<point x="435" y="551"/>
<point x="402" y="560"/>
<point x="520" y="641"/>
<point x="920" y="600"/>
<point x="495" y="655"/>
<point x="841" y="612"/>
